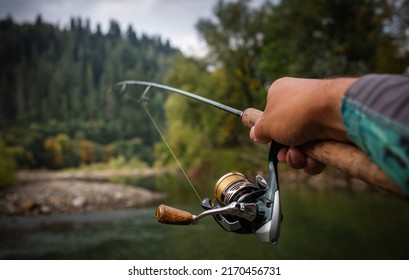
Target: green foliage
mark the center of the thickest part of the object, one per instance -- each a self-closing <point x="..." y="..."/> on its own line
<point x="60" y="152"/>
<point x="121" y="162"/>
<point x="58" y="97"/>
<point x="250" y="46"/>
<point x="131" y="148"/>
<point x="59" y="106"/>
<point x="193" y="129"/>
<point x="235" y="39"/>
<point x="327" y="38"/>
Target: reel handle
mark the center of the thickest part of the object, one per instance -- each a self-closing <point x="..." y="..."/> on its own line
<point x="169" y="215"/>
<point x="342" y="156"/>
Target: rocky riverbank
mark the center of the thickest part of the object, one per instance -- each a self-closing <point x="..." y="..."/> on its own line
<point x="51" y="192"/>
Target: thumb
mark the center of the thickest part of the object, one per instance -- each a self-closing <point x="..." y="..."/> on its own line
<point x="255" y="138"/>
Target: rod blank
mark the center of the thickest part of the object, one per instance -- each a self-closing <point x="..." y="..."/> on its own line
<point x="185" y="93"/>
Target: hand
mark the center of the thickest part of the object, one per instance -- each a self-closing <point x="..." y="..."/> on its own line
<point x="299" y="111"/>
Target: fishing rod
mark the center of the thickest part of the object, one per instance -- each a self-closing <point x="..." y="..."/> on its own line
<point x="245" y="207"/>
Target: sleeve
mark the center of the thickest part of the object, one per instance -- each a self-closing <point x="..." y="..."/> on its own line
<point x="375" y="112"/>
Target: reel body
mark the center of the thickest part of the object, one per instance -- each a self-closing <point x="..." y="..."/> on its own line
<point x="259" y="203"/>
<point x="243" y="207"/>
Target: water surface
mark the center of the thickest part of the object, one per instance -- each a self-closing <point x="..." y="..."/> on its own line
<point x="339" y="224"/>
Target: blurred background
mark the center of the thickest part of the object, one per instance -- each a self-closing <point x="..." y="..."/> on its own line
<point x="67" y="134"/>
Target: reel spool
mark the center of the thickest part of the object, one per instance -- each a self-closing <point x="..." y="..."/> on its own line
<point x="235" y="188"/>
<point x="232" y="187"/>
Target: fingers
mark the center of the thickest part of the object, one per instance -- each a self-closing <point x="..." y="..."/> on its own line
<point x="282" y="154"/>
<point x="294" y="157"/>
<point x="313" y="167"/>
<point x="298" y="160"/>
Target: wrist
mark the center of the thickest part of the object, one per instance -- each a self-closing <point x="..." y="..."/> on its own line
<point x="329" y="116"/>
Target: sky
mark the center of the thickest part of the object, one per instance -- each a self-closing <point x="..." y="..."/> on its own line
<point x="171" y="19"/>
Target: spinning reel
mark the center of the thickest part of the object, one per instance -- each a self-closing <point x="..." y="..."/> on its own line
<point x="243" y="207"/>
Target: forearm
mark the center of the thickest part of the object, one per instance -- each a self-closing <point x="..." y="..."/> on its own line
<point x="328" y="115"/>
<point x="375" y="112"/>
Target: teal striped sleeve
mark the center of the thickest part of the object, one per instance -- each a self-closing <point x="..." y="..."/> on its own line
<point x="375" y="112"/>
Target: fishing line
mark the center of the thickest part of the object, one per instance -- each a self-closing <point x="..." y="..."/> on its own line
<point x="143" y="100"/>
<point x="170" y="149"/>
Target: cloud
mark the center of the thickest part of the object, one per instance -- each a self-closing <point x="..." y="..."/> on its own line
<point x="171" y="19"/>
<point x="174" y="20"/>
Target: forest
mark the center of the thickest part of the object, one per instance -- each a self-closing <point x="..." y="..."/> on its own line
<point x="60" y="107"/>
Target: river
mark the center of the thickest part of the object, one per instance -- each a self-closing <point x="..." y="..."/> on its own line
<point x="326" y="224"/>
